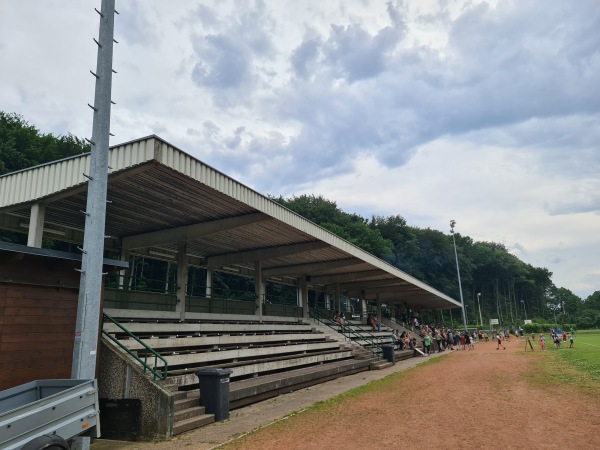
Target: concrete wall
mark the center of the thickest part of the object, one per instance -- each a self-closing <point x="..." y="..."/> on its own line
<point x="118" y="379"/>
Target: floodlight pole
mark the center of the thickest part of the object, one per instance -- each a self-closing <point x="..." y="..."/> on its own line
<point x="479" y="305"/>
<point x="90" y="285"/>
<point x="462" y="302"/>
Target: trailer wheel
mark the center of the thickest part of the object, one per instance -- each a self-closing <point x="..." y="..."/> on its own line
<point x="47" y="442"/>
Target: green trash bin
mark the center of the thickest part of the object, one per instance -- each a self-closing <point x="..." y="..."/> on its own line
<point x="388" y="353"/>
<point x="214" y="391"/>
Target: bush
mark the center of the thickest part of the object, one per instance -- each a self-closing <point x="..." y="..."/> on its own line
<point x="532" y="328"/>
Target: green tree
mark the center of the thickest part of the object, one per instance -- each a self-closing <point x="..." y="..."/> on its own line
<point x="351" y="227"/>
<point x="22" y="145"/>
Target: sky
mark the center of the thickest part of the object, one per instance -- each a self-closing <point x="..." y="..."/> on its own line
<point x="485" y="112"/>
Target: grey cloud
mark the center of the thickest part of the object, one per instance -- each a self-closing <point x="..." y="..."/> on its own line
<point x="224" y="63"/>
<point x="519" y="248"/>
<point x="522" y="76"/>
<point x="210" y="130"/>
<point x="235" y="141"/>
<point x="355" y="54"/>
<point x="229" y="62"/>
<point x="304" y="57"/>
<point x="134" y="26"/>
<point x="561" y="146"/>
<point x="586" y="199"/>
<point x="206" y="16"/>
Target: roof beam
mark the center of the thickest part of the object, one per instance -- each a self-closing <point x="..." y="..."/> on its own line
<point x="372" y="284"/>
<point x="264" y="254"/>
<point x="190" y="232"/>
<point x="396" y="291"/>
<point x="303" y="269"/>
<point x="347" y="277"/>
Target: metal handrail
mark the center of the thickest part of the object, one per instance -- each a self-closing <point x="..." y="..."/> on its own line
<point x="374" y="347"/>
<point x="162" y="374"/>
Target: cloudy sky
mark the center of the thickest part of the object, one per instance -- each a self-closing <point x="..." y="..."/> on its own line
<point x="486" y="112"/>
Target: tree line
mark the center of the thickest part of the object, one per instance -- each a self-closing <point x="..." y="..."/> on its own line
<point x="509" y="289"/>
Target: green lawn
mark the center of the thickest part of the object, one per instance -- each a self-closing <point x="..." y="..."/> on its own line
<point x="586" y="354"/>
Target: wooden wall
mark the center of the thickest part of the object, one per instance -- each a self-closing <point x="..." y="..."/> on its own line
<point x="38" y="310"/>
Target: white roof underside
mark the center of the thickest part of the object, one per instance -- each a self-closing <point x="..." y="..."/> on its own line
<point x="160" y="195"/>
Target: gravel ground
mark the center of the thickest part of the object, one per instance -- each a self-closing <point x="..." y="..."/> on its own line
<point x="249" y="418"/>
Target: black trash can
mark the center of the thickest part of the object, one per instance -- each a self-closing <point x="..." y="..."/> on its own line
<point x="388" y="353"/>
<point x="214" y="391"/>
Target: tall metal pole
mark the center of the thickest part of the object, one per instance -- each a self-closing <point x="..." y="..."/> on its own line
<point x="479" y="305"/>
<point x="90" y="287"/>
<point x="462" y="302"/>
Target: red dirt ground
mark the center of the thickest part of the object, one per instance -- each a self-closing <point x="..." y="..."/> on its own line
<point x="480" y="399"/>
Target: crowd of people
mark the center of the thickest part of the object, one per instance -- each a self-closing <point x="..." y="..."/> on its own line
<point x="450" y="339"/>
<point x="437" y="337"/>
<point x="558" y="337"/>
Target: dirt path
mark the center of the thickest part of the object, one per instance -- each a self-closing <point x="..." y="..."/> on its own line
<point x="487" y="398"/>
<point x="479" y="399"/>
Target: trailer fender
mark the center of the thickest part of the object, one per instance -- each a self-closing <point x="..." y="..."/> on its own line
<point x="47" y="442"/>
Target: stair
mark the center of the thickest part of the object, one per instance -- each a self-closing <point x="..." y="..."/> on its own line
<point x="188" y="414"/>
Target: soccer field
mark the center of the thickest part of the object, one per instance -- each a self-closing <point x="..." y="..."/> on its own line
<point x="586" y="354"/>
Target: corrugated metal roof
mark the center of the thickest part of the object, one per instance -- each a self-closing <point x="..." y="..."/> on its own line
<point x="154" y="186"/>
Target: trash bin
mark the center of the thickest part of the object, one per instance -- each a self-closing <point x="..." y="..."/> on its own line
<point x="388" y="353"/>
<point x="214" y="391"/>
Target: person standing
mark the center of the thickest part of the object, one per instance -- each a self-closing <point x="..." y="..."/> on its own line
<point x="543" y="342"/>
<point x="427" y="344"/>
<point x="571" y="343"/>
<point x="499" y="339"/>
<point x="438" y="340"/>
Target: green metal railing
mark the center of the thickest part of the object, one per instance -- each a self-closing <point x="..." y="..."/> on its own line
<point x="374" y="343"/>
<point x="157" y="373"/>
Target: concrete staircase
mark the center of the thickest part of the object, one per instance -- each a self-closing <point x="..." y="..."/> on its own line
<point x="188" y="414"/>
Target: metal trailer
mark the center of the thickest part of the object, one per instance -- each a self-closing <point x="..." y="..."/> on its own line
<point x="64" y="408"/>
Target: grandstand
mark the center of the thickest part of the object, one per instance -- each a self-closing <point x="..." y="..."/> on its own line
<point x="165" y="205"/>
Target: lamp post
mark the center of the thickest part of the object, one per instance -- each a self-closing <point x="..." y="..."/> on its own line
<point x="479" y="305"/>
<point x="462" y="302"/>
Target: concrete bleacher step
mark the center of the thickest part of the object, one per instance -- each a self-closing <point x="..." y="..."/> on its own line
<point x="266" y="359"/>
<point x="188" y="414"/>
<point x="257" y="366"/>
<point x="187" y="402"/>
<point x="192" y="423"/>
<point x="380" y="364"/>
<point x="249" y="391"/>
<point x="404" y="354"/>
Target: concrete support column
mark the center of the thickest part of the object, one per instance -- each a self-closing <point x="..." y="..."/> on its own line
<point x="378" y="307"/>
<point x="338" y="300"/>
<point x="303" y="291"/>
<point x="209" y="280"/>
<point x="182" y="278"/>
<point x="36" y="225"/>
<point x="259" y="289"/>
<point x="363" y="310"/>
<point x="327" y="301"/>
<point x="125" y="281"/>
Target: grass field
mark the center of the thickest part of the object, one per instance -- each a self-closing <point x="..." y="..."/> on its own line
<point x="586" y="354"/>
<point x="578" y="367"/>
